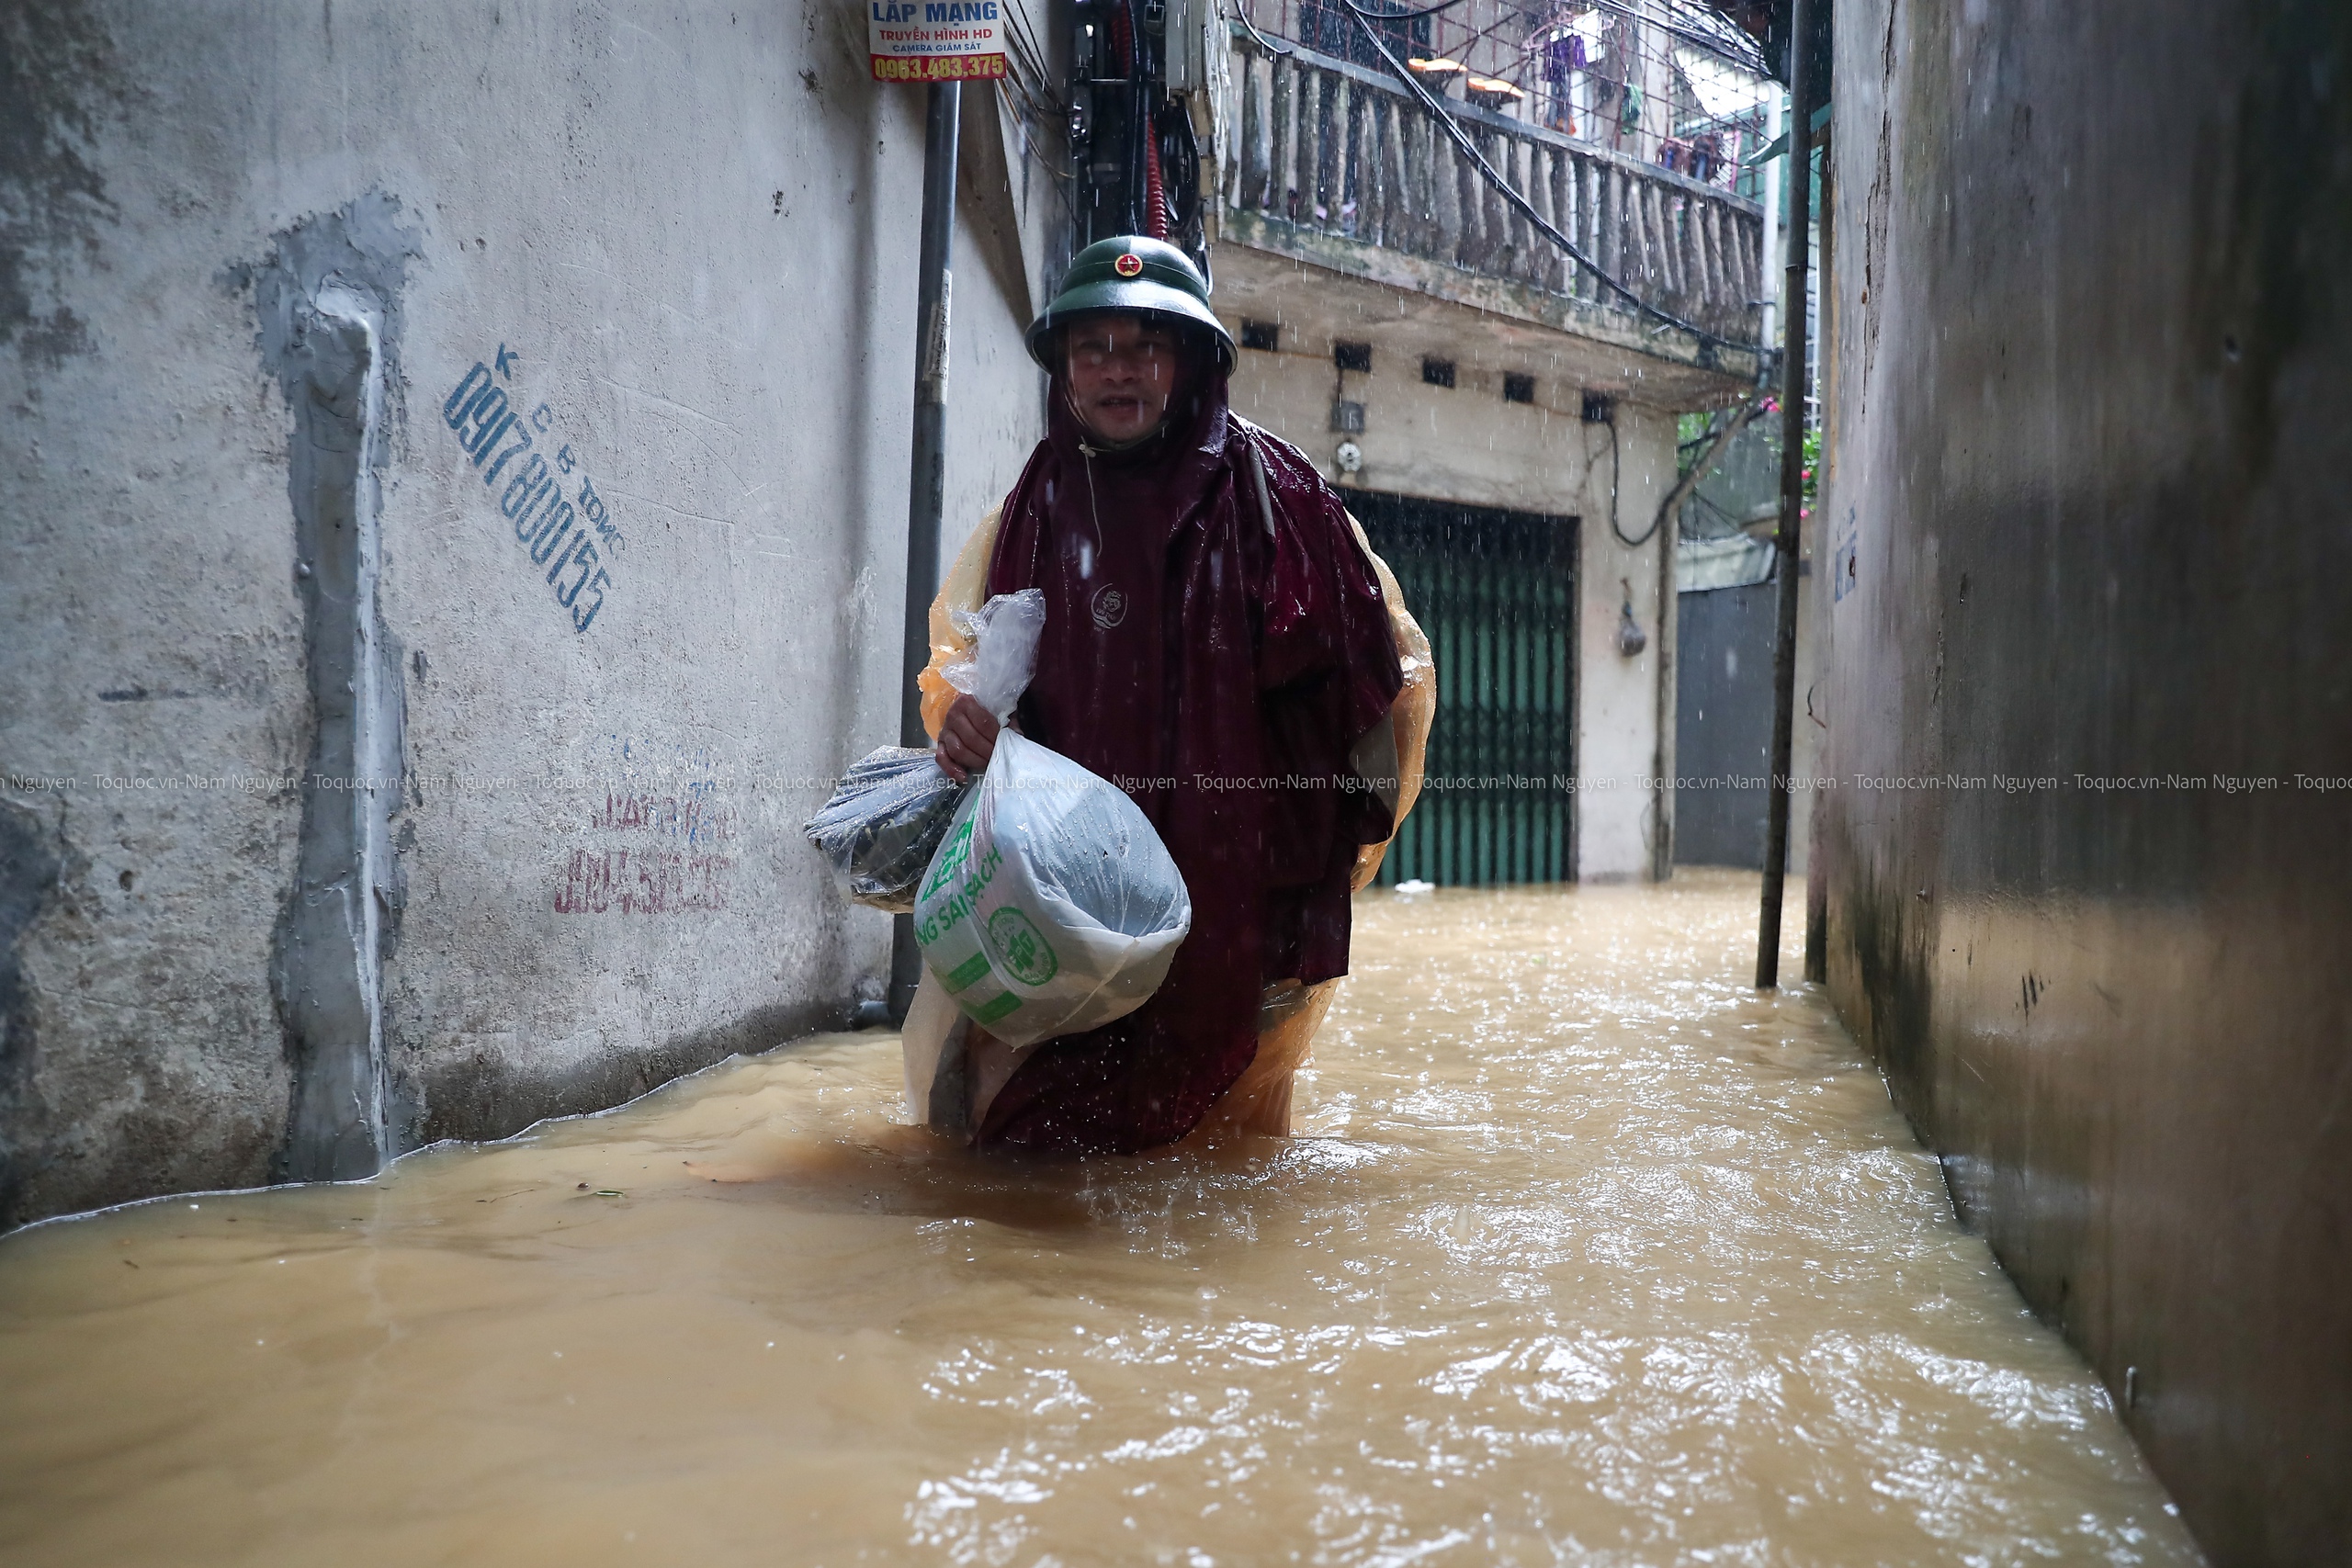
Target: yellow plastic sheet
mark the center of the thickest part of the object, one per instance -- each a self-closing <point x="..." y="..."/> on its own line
<point x="1413" y="711"/>
<point x="1288" y="1016"/>
<point x="965" y="588"/>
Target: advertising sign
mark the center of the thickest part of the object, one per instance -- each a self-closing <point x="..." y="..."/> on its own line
<point x="935" y="40"/>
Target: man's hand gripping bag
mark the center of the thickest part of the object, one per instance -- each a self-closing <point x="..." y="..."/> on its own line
<point x="894" y="807"/>
<point x="1052" y="907"/>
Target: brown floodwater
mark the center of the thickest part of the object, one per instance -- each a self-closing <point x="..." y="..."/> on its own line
<point x="1585" y="1253"/>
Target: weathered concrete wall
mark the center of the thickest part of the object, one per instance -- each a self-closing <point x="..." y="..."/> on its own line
<point x="1465" y="443"/>
<point x="2092" y="361"/>
<point x="679" y="246"/>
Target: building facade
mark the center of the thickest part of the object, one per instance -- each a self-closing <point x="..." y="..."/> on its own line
<point x="1409" y="328"/>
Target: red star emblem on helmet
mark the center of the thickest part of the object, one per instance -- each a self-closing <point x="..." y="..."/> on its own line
<point x="1128" y="265"/>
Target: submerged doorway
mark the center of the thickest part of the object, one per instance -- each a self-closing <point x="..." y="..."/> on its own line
<point x="1496" y="591"/>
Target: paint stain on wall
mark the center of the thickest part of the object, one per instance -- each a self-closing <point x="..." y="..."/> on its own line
<point x="58" y="81"/>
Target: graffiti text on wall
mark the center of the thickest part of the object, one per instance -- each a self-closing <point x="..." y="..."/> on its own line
<point x="650" y="792"/>
<point x="573" y="537"/>
<point x="693" y="816"/>
<point x="642" y="882"/>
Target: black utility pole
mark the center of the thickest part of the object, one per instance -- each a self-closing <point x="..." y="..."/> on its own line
<point x="927" y="474"/>
<point x="1801" y="94"/>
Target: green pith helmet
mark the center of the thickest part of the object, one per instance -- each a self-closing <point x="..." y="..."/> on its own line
<point x="1130" y="273"/>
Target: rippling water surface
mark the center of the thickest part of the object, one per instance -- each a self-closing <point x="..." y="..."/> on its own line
<point x="1586" y="1254"/>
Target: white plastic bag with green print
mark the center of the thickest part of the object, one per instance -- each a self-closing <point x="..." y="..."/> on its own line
<point x="1052" y="907"/>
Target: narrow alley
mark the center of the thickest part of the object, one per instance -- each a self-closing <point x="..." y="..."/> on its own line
<point x="1047" y="783"/>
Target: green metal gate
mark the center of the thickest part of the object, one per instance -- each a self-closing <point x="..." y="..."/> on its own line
<point x="1495" y="592"/>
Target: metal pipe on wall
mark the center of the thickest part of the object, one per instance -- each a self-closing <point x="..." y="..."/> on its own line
<point x="927" y="470"/>
<point x="1816" y="880"/>
<point x="1663" y="762"/>
<point x="1803" y="91"/>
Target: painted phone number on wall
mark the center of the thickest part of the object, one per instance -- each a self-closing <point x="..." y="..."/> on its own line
<point x="558" y="533"/>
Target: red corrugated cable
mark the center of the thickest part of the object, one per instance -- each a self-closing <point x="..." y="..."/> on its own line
<point x="1155" y="193"/>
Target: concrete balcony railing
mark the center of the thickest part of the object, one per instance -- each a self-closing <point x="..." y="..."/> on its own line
<point x="1336" y="164"/>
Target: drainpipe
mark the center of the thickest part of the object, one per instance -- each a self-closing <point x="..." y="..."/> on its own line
<point x="1663" y="759"/>
<point x="1803" y="94"/>
<point x="927" y="476"/>
<point x="1772" y="128"/>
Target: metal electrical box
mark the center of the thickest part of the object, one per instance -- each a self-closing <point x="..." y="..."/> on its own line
<point x="1136" y="162"/>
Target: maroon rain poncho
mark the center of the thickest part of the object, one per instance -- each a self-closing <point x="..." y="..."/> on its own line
<point x="1217" y="674"/>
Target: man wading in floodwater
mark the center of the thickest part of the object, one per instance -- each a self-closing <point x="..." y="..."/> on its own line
<point x="1217" y="644"/>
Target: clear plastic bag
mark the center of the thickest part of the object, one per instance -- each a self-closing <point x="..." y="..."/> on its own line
<point x="892" y="809"/>
<point x="1004" y="633"/>
<point x="1052" y="906"/>
<point x="884" y="823"/>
